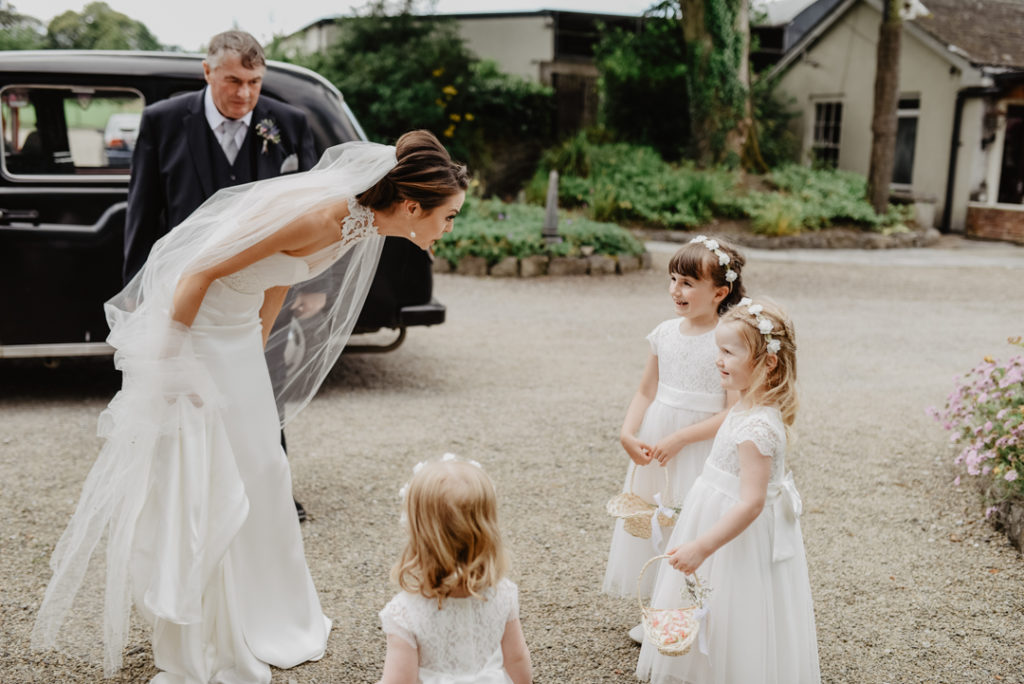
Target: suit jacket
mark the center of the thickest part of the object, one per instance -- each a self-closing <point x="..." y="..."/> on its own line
<point x="172" y="172"/>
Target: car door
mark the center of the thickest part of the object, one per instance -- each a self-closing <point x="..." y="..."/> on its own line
<point x="62" y="203"/>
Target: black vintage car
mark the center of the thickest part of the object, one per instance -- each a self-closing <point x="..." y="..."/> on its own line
<point x="69" y="121"/>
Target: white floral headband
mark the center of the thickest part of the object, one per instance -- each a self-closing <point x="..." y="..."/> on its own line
<point x="764" y="324"/>
<point x="419" y="466"/>
<point x="723" y="258"/>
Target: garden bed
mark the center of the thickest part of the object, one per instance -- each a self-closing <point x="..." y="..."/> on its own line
<point x="738" y="231"/>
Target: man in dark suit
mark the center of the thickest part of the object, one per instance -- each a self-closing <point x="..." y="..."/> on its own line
<point x="192" y="145"/>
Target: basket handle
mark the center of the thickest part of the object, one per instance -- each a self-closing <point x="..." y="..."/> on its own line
<point x="639" y="579"/>
<point x="632" y="477"/>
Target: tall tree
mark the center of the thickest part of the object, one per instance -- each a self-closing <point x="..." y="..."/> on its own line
<point x="19" y="31"/>
<point x="887" y="95"/>
<point x="717" y="35"/>
<point x="884" y="121"/>
<point x="98" y="27"/>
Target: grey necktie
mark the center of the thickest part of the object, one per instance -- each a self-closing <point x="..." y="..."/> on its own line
<point x="229" y="139"/>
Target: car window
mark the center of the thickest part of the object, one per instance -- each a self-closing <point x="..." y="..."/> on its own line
<point x="69" y="130"/>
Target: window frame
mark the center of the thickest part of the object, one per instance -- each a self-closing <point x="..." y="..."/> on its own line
<point x="90" y="178"/>
<point x="906" y="113"/>
<point x="819" y="141"/>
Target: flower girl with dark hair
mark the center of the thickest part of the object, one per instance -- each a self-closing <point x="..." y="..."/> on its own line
<point x="680" y="403"/>
<point x="457" y="619"/>
<point x="739" y="529"/>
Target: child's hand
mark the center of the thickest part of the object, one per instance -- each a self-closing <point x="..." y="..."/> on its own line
<point x="639" y="452"/>
<point x="687" y="558"/>
<point x="666" y="449"/>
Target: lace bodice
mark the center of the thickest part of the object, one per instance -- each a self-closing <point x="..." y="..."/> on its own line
<point x="685" y="362"/>
<point x="462" y="636"/>
<point x="761" y="425"/>
<point x="286" y="269"/>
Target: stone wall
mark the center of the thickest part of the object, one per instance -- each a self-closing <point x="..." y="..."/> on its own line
<point x="996" y="223"/>
<point x="540" y="264"/>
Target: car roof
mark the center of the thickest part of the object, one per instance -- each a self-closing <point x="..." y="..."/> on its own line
<point x="128" y="62"/>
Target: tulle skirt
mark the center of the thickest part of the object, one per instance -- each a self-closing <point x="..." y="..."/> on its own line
<point x="666" y="414"/>
<point x="760" y="623"/>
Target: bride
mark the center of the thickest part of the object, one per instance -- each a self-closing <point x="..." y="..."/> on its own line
<point x="191" y="492"/>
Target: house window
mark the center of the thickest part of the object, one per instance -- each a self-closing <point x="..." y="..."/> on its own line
<point x="1011" y="179"/>
<point x="69" y="130"/>
<point x="906" y="140"/>
<point x="828" y="122"/>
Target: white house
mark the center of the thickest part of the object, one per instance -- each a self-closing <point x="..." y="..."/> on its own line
<point x="961" y="113"/>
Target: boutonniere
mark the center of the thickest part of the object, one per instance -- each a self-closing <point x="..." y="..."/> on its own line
<point x="267" y="129"/>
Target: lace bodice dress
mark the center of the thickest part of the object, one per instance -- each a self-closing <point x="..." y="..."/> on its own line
<point x="686" y="362"/>
<point x="760" y="425"/>
<point x="285" y="269"/>
<point x="461" y="642"/>
<point x="689" y="391"/>
<point x="760" y="604"/>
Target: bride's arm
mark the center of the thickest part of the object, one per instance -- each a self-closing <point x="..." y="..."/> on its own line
<point x="305" y="230"/>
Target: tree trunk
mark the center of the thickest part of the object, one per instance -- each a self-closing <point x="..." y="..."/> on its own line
<point x="698" y="46"/>
<point x="887" y="93"/>
<point x="736" y="141"/>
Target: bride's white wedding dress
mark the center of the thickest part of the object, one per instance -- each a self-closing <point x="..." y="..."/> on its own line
<point x="192" y="494"/>
<point x="220" y="522"/>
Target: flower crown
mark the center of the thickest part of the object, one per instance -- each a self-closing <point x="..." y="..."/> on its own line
<point x="764" y="324"/>
<point x="723" y="258"/>
<point x="419" y="466"/>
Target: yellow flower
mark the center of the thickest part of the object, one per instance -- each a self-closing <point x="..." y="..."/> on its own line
<point x="437" y="72"/>
<point x="440" y="103"/>
<point x="449" y="90"/>
<point x="455" y="117"/>
<point x="450" y="131"/>
<point x="989" y="359"/>
<point x="469" y="117"/>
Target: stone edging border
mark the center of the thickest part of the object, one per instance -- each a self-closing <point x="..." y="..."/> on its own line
<point x="542" y="264"/>
<point x="602" y="264"/>
<point x="828" y="238"/>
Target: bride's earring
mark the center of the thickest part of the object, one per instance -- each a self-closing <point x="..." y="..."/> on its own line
<point x="412" y="233"/>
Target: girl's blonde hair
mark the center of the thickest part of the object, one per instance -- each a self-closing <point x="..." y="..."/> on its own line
<point x="769" y="386"/>
<point x="454" y="542"/>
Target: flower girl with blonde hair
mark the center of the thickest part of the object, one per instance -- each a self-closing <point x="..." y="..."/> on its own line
<point x="739" y="529"/>
<point x="457" y="619"/>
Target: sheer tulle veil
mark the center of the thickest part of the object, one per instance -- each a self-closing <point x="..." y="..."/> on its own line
<point x="90" y="591"/>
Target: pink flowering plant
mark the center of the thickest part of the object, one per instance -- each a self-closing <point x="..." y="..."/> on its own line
<point x="985" y="413"/>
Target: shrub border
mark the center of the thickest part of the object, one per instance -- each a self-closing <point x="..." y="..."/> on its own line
<point x="543" y="264"/>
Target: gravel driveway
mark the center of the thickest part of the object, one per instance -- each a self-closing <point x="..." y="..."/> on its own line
<point x="532" y="377"/>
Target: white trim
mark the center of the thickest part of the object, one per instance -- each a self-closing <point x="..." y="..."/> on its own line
<point x="1000" y="206"/>
<point x="26" y="351"/>
<point x="950" y="53"/>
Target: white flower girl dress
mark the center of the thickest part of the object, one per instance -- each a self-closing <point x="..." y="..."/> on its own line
<point x="759" y="628"/>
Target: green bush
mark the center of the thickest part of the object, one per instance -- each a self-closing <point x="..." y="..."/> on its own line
<point x="629" y="183"/>
<point x="642" y="84"/>
<point x="812" y="199"/>
<point x="401" y="72"/>
<point x="493" y="229"/>
<point x="622" y="183"/>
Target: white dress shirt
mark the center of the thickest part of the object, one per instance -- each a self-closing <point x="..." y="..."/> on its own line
<point x="215" y="119"/>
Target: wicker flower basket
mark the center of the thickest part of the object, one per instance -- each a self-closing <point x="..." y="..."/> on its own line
<point x="636" y="512"/>
<point x="672" y="630"/>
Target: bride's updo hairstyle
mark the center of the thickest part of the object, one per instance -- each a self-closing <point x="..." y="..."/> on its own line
<point x="772" y="384"/>
<point x="454" y="542"/>
<point x="425" y="173"/>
